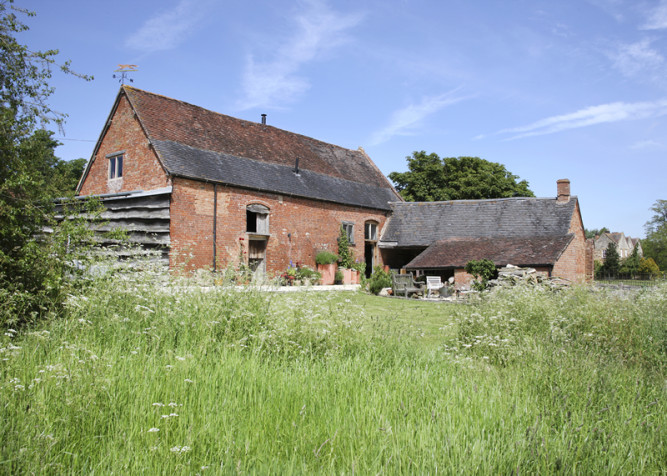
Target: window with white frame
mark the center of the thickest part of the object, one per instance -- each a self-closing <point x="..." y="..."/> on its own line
<point x="115" y="166"/>
<point x="371" y="231"/>
<point x="349" y="230"/>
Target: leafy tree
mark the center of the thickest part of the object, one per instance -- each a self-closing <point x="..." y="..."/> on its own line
<point x="32" y="267"/>
<point x="612" y="261"/>
<point x="430" y="178"/>
<point x="655" y="243"/>
<point x="595" y="232"/>
<point x="648" y="266"/>
<point x="483" y="270"/>
<point x="630" y="265"/>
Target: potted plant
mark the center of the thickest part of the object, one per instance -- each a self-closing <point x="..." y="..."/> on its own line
<point x="338" y="277"/>
<point x="326" y="265"/>
<point x="360" y="270"/>
<point x="288" y="276"/>
<point x="308" y="276"/>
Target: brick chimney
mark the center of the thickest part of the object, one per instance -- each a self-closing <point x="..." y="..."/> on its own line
<point x="563" y="188"/>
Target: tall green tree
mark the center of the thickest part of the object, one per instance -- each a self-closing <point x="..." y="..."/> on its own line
<point x="655" y="243"/>
<point x="612" y="261"/>
<point x="31" y="262"/>
<point x="430" y="178"/>
<point x="630" y="264"/>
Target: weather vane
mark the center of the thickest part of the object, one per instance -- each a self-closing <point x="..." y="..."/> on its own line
<point x="124" y="69"/>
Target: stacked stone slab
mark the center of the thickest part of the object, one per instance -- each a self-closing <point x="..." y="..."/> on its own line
<point x="512" y="275"/>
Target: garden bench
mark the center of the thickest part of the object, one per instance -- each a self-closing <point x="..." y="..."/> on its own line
<point x="404" y="284"/>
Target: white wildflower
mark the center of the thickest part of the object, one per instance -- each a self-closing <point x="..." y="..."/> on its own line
<point x="180" y="449"/>
<point x="153" y="430"/>
<point x="180" y="358"/>
<point x="158" y="404"/>
<point x="187" y="380"/>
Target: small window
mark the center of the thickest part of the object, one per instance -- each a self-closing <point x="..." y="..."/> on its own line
<point x="115" y="166"/>
<point x="257" y="219"/>
<point x="371" y="231"/>
<point x="349" y="230"/>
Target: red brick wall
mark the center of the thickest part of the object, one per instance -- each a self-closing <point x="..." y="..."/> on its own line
<point x="572" y="264"/>
<point x="141" y="169"/>
<point x="311" y="226"/>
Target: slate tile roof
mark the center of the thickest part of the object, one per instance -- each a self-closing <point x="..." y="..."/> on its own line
<point x="185" y="161"/>
<point x="419" y="224"/>
<point x="197" y="143"/>
<point x="456" y="252"/>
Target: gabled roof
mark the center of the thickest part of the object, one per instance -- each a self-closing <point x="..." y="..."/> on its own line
<point x="456" y="252"/>
<point x="420" y="224"/>
<point x="196" y="143"/>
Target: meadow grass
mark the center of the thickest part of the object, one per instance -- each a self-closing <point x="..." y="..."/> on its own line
<point x="135" y="379"/>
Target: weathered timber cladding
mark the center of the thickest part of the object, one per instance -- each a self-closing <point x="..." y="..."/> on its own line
<point x="145" y="218"/>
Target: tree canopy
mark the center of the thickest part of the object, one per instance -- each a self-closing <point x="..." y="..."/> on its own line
<point x="430" y="178"/>
<point x="31" y="262"/>
<point x="612" y="262"/>
<point x="655" y="243"/>
<point x="596" y="232"/>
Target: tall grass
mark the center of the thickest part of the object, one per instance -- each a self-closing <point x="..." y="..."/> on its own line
<point x="139" y="380"/>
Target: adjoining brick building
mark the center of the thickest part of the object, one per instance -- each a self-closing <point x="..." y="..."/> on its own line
<point x="439" y="238"/>
<point x="213" y="191"/>
<point x="239" y="191"/>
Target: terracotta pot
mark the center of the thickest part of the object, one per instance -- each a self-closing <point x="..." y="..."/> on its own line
<point x="350" y="276"/>
<point x="328" y="272"/>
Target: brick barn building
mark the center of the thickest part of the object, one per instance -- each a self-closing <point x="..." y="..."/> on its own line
<point x="213" y="191"/>
<point x="232" y="191"/>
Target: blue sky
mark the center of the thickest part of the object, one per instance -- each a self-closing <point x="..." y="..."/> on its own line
<point x="551" y="89"/>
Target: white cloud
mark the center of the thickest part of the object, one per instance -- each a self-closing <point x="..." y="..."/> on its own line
<point x="168" y="29"/>
<point x="604" y="113"/>
<point x="406" y="120"/>
<point x="657" y="17"/>
<point x="317" y="29"/>
<point x="647" y="145"/>
<point x="637" y="58"/>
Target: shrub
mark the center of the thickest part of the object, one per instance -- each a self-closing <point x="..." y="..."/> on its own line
<point x="482" y="270"/>
<point x="359" y="266"/>
<point x="379" y="280"/>
<point x="304" y="272"/>
<point x="325" y="257"/>
<point x="648" y="266"/>
<point x="338" y="277"/>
